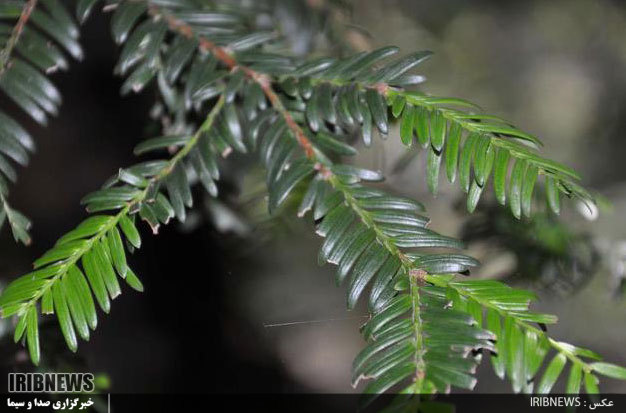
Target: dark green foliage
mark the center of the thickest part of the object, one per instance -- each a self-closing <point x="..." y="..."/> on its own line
<point x="521" y="348"/>
<point x="479" y="145"/>
<point x="29" y="52"/>
<point x="213" y="62"/>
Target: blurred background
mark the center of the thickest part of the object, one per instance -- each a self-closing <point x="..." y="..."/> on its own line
<point x="270" y="319"/>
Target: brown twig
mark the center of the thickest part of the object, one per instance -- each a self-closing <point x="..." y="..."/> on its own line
<point x="15" y="34"/>
<point x="224" y="56"/>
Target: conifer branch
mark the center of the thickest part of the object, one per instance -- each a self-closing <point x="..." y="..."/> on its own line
<point x="21" y="301"/>
<point x="533" y="340"/>
<point x="27" y="56"/>
<point x="224" y="56"/>
<point x="426" y="330"/>
<point x="542" y="319"/>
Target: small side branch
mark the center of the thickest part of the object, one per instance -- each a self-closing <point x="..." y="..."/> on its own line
<point x="138" y="199"/>
<point x="418" y="357"/>
<point x="223" y="55"/>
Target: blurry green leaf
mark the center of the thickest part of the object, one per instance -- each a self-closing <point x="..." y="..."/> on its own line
<point x="551" y="374"/>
